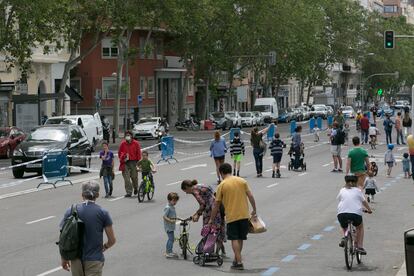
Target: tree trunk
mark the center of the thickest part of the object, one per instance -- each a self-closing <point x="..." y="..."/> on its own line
<point x="60" y="107"/>
<point x="309" y="92"/>
<point x="302" y="90"/>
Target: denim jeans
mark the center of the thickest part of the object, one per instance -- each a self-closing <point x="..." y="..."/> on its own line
<point x="107" y="183"/>
<point x="400" y="135"/>
<point x="388" y="136"/>
<point x="258" y="159"/>
<point x="170" y="241"/>
<point x="364" y="136"/>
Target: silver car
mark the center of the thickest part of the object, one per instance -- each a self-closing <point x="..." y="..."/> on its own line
<point x="235" y="117"/>
<point x="259" y="118"/>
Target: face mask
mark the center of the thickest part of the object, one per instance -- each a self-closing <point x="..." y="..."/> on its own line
<point x="128" y="138"/>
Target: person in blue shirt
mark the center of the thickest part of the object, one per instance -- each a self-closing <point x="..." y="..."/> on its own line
<point x="169" y="223"/>
<point x="218" y="150"/>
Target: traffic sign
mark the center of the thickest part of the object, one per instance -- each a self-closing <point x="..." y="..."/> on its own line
<point x="139" y="99"/>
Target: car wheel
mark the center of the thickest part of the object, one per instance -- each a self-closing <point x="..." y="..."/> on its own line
<point x="18" y="172"/>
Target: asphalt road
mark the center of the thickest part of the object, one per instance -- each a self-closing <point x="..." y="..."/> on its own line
<point x="299" y="210"/>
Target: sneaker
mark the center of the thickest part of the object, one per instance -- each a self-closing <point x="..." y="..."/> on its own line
<point x="135" y="191"/>
<point x="171" y="256"/>
<point x="273" y="174"/>
<point x="106" y="196"/>
<point x="340" y="170"/>
<point x="342" y="242"/>
<point x="127" y="195"/>
<point x="334" y="170"/>
<point x="236" y="266"/>
<point x="361" y="251"/>
<point x="238" y="173"/>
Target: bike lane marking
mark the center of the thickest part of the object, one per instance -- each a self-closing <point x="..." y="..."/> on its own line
<point x="316" y="237"/>
<point x="304" y="246"/>
<point x="288" y="258"/>
<point x="117" y="198"/>
<point x="194" y="166"/>
<point x="272" y="185"/>
<point x="173" y="183"/>
<point x="270" y="271"/>
<point x="50" y="271"/>
<point x="39" y="220"/>
<point x="329" y="228"/>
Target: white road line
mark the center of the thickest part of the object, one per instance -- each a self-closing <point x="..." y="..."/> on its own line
<point x="50" y="271"/>
<point x="268" y="170"/>
<point x="11" y="184"/>
<point x="272" y="185"/>
<point x="248" y="164"/>
<point x="39" y="220"/>
<point x="117" y="198"/>
<point x="174" y="183"/>
<point x="326" y="165"/>
<point x="302" y="174"/>
<point x="213" y="173"/>
<point x="194" y="166"/>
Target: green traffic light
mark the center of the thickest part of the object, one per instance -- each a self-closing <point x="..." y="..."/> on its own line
<point x="379" y="91"/>
<point x="389" y="44"/>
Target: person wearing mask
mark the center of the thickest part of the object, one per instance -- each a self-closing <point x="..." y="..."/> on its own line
<point x="129" y="154"/>
<point x="399" y="129"/>
<point x="218" y="150"/>
<point x="259" y="146"/>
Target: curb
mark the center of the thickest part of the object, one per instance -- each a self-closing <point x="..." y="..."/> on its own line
<point x="402" y="271"/>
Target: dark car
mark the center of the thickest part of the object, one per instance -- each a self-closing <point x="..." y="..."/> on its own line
<point x="52" y="137"/>
<point x="285" y="116"/>
<point x="10" y="137"/>
<point x="221" y="120"/>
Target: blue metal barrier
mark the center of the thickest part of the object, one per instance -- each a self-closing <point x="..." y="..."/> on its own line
<point x="167" y="149"/>
<point x="319" y="122"/>
<point x="54" y="166"/>
<point x="271" y="132"/>
<point x="232" y="131"/>
<point x="330" y="121"/>
<point x="292" y="126"/>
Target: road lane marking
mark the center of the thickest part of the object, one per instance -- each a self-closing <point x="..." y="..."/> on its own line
<point x="117" y="198"/>
<point x="39" y="220"/>
<point x="268" y="170"/>
<point x="316" y="237"/>
<point x="302" y="174"/>
<point x="326" y="165"/>
<point x="288" y="258"/>
<point x="6" y="185"/>
<point x="174" y="183"/>
<point x="213" y="173"/>
<point x="272" y="185"/>
<point x="304" y="246"/>
<point x="50" y="271"/>
<point x="248" y="164"/>
<point x="270" y="271"/>
<point x="383" y="188"/>
<point x="329" y="228"/>
<point x="194" y="166"/>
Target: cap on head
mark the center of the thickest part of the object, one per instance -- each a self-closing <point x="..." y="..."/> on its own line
<point x="90" y="190"/>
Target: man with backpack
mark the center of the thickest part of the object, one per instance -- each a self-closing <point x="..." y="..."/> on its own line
<point x="337" y="137"/>
<point x="81" y="243"/>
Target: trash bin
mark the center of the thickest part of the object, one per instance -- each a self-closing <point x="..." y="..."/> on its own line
<point x="409" y="251"/>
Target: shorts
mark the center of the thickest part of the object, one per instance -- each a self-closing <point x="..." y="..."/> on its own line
<point x="336" y="150"/>
<point x="277" y="158"/>
<point x="390" y="164"/>
<point x="237" y="230"/>
<point x="237" y="157"/>
<point x="406" y="169"/>
<point x="343" y="219"/>
<point x="370" y="191"/>
<point x="219" y="158"/>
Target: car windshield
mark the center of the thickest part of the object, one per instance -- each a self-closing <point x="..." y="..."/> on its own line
<point x="147" y="120"/>
<point x="218" y="114"/>
<point x="48" y="134"/>
<point x="246" y="114"/>
<point x="4" y="133"/>
<point x="231" y="114"/>
<point x="262" y="108"/>
<point x="55" y="121"/>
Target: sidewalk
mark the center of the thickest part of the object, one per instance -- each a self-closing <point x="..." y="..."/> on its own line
<point x="402" y="271"/>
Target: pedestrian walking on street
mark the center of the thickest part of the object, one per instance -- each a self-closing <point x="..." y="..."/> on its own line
<point x="95" y="220"/>
<point x="129" y="154"/>
<point x="347" y="130"/>
<point x="358" y="162"/>
<point x="236" y="151"/>
<point x="406" y="165"/>
<point x="374" y="110"/>
<point x="276" y="150"/>
<point x="406" y="123"/>
<point x="107" y="168"/>
<point x="364" y="129"/>
<point x="340" y="119"/>
<point x="234" y="193"/>
<point x="205" y="197"/>
<point x="389" y="159"/>
<point x="169" y="223"/>
<point x="218" y="150"/>
<point x="388" y="123"/>
<point x="259" y="147"/>
<point x="399" y="129"/>
<point x="337" y="137"/>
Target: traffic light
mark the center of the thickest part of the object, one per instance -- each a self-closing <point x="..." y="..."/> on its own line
<point x="389" y="39"/>
<point x="380" y="91"/>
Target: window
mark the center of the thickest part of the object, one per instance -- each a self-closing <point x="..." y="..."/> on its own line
<point x="146" y="50"/>
<point x="151" y="87"/>
<point x="109" y="50"/>
<point x="109" y="88"/>
<point x="190" y="87"/>
<point x="76" y="84"/>
<point x="142" y="86"/>
<point x="390" y="9"/>
<point x="351" y="87"/>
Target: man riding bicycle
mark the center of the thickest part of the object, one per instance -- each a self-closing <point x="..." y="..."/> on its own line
<point x="351" y="200"/>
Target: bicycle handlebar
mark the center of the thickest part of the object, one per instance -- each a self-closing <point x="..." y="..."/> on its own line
<point x="184" y="220"/>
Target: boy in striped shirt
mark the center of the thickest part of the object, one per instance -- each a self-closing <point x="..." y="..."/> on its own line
<point x="276" y="150"/>
<point x="236" y="151"/>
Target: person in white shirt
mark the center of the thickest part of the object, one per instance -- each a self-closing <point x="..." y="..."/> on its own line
<point x="351" y="200"/>
<point x="370" y="186"/>
<point x="373" y="132"/>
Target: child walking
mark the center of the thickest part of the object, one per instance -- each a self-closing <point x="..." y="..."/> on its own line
<point x="236" y="151"/>
<point x="146" y="166"/>
<point x="276" y="150"/>
<point x="169" y="223"/>
<point x="406" y="165"/>
<point x="316" y="131"/>
<point x="389" y="159"/>
<point x="107" y="168"/>
<point x="370" y="186"/>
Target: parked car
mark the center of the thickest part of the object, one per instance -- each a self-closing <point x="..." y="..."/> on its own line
<point x="268" y="107"/>
<point x="319" y="110"/>
<point x="248" y="119"/>
<point x="306" y="112"/>
<point x="259" y="118"/>
<point x="385" y="109"/>
<point x="284" y="116"/>
<point x="51" y="137"/>
<point x="221" y="120"/>
<point x="146" y="128"/>
<point x="330" y="110"/>
<point x="235" y="118"/>
<point x="91" y="124"/>
<point x="348" y="112"/>
<point x="10" y="137"/>
<point x="298" y="114"/>
<point x="402" y="104"/>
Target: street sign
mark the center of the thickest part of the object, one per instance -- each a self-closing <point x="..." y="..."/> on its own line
<point x="139" y="99"/>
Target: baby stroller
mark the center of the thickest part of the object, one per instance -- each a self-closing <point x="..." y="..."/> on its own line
<point x="296" y="158"/>
<point x="205" y="249"/>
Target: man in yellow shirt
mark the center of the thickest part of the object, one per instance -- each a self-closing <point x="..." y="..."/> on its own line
<point x="233" y="192"/>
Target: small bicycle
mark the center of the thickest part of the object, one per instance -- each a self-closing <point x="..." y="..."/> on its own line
<point x="183" y="239"/>
<point x="146" y="188"/>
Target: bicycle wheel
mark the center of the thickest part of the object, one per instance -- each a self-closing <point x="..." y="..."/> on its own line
<point x="150" y="193"/>
<point x="349" y="256"/>
<point x="141" y="192"/>
<point x="358" y="257"/>
<point x="184" y="243"/>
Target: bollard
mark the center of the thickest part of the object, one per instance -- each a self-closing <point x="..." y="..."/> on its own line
<point x="409" y="251"/>
<point x="271" y="132"/>
<point x="232" y="131"/>
<point x="292" y="126"/>
<point x="330" y="120"/>
<point x="319" y="121"/>
<point x="311" y="124"/>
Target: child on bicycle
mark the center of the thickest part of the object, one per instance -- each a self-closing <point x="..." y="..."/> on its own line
<point x="406" y="165"/>
<point x="276" y="150"/>
<point x="236" y="151"/>
<point x="389" y="159"/>
<point x="147" y="167"/>
<point x="370" y="186"/>
<point x="373" y="132"/>
<point x="169" y="223"/>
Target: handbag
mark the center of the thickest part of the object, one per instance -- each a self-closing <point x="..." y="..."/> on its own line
<point x="256" y="225"/>
<point x="263" y="147"/>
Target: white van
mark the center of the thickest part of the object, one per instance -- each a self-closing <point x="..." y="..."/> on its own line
<point x="268" y="108"/>
<point x="91" y="124"/>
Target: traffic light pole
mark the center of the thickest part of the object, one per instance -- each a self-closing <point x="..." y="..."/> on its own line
<point x="396" y="74"/>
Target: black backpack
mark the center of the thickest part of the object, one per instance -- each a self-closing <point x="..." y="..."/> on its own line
<point x="71" y="236"/>
<point x="340" y="137"/>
